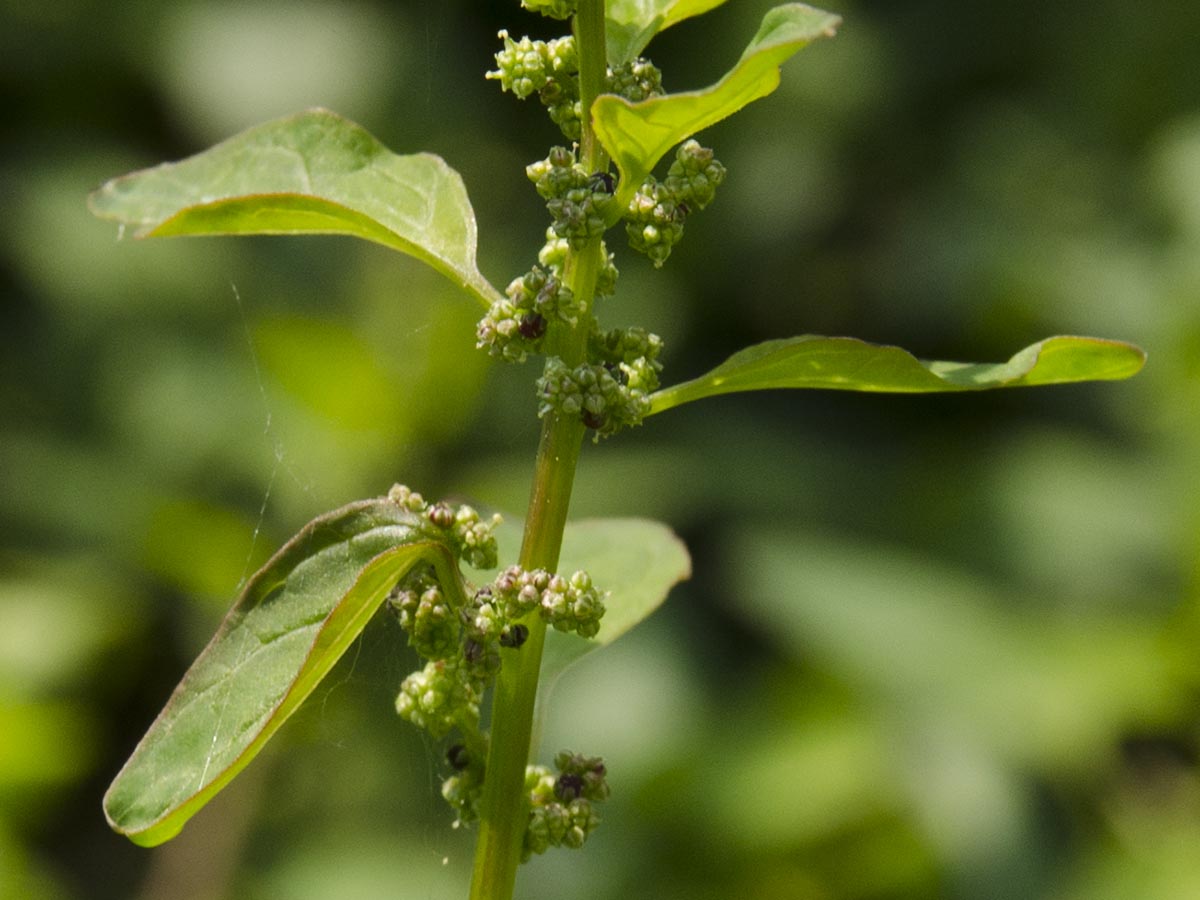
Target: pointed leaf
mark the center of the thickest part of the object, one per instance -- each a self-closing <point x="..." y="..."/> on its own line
<point x="632" y="23"/>
<point x="638" y="135"/>
<point x="292" y="622"/>
<point x="848" y="364"/>
<point x="311" y="173"/>
<point x="637" y="561"/>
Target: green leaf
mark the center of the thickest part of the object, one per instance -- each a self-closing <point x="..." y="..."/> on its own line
<point x="638" y="135"/>
<point x="294" y="619"/>
<point x="848" y="364"/>
<point x="632" y="23"/>
<point x="311" y="173"/>
<point x="637" y="561"/>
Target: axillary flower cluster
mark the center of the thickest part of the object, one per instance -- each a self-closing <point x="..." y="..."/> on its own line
<point x="459" y="632"/>
<point x="610" y="390"/>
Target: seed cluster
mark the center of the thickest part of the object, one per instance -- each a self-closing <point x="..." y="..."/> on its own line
<point x="610" y="390"/>
<point x="656" y="215"/>
<point x="561" y="810"/>
<point x="461" y="635"/>
<point x="515" y="326"/>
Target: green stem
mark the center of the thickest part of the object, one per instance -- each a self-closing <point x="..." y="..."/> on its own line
<point x="504" y="813"/>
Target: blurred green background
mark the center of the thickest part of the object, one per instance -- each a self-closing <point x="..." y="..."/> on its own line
<point x="933" y="648"/>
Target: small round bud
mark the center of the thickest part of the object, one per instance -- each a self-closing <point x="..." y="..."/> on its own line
<point x="636" y="81"/>
<point x="441" y="515"/>
<point x="404" y="497"/>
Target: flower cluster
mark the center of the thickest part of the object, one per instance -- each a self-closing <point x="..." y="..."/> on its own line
<point x="655" y="217"/>
<point x="635" y="81"/>
<point x="611" y="393"/>
<point x="515" y="326"/>
<point x="548" y="68"/>
<point x="694" y="175"/>
<point x="560" y="806"/>
<point x="441" y="696"/>
<point x="463" y="789"/>
<point x="567" y="604"/>
<point x="579" y="203"/>
<point x="472" y="538"/>
<point x="461" y="633"/>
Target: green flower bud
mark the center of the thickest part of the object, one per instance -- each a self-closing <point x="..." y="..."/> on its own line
<point x="554" y="253"/>
<point x="694" y="176"/>
<point x="635" y="81"/>
<point x="523" y="66"/>
<point x="464" y="789"/>
<point x="607" y="397"/>
<point x="573" y="605"/>
<point x="426" y="614"/>
<point x="484" y="617"/>
<point x="586" y="772"/>
<point x="606" y="278"/>
<point x="402" y="496"/>
<point x="578" y="202"/>
<point x="626" y="345"/>
<point x="561" y="810"/>
<point x="439" y="697"/>
<point x="515" y="326"/>
<point x="463" y="792"/>
<point x="433" y="626"/>
<point x="654" y="221"/>
<point x="474" y="538"/>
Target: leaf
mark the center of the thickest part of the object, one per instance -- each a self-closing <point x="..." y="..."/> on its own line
<point x="637" y="561"/>
<point x="310" y="173"/>
<point x="632" y="23"/>
<point x="294" y="619"/>
<point x="638" y="135"/>
<point x="848" y="364"/>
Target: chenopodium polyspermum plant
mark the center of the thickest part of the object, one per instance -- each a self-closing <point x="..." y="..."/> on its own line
<point x="625" y="162"/>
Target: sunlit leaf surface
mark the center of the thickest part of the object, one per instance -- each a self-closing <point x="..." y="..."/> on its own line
<point x="292" y="622"/>
<point x="311" y="173"/>
<point x="848" y="364"/>
<point x="638" y="135"/>
<point x="632" y="23"/>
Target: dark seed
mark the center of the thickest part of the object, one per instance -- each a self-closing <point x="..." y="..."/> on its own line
<point x="458" y="757"/>
<point x="472" y="650"/>
<point x="532" y="327"/>
<point x="568" y="787"/>
<point x="603" y="181"/>
<point x="514" y="636"/>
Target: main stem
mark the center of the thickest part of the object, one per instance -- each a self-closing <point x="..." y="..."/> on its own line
<point x="504" y="813"/>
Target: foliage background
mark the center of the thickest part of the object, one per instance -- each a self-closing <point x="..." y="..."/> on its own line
<point x="936" y="647"/>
